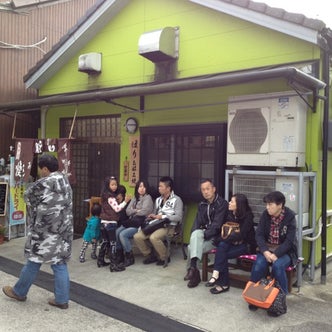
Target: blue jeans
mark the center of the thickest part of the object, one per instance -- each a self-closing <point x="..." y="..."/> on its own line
<point x="123" y="237"/>
<point x="226" y="251"/>
<point x="29" y="273"/>
<point x="261" y="266"/>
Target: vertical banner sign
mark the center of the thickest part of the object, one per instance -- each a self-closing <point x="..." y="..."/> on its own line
<point x="64" y="157"/>
<point x="27" y="147"/>
<point x="20" y="167"/>
<point x="126" y="170"/>
<point x="17" y="207"/>
<point x="23" y="159"/>
<point x="134" y="150"/>
<point x="3" y="198"/>
<point x="50" y="144"/>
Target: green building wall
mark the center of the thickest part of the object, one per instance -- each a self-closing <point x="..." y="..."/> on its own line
<point x="209" y="42"/>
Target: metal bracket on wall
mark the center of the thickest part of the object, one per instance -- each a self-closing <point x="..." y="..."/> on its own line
<point x="315" y="97"/>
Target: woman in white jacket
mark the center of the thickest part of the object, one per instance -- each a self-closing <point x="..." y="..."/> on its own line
<point x="138" y="209"/>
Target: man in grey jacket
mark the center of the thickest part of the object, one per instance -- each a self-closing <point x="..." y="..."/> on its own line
<point x="168" y="207"/>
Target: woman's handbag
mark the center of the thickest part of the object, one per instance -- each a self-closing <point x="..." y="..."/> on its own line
<point x="149" y="226"/>
<point x="262" y="293"/>
<point x="134" y="221"/>
<point x="229" y="229"/>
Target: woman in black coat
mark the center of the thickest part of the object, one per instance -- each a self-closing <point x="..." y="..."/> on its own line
<point x="237" y="244"/>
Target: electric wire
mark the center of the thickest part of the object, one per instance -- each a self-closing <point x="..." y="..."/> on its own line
<point x="23" y="47"/>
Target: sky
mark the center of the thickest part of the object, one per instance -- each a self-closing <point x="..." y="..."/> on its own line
<point x="318" y="9"/>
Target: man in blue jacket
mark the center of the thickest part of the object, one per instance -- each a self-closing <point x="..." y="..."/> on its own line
<point x="211" y="214"/>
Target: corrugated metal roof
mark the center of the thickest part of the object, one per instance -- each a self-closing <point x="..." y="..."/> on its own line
<point x="19" y="34"/>
<point x="27" y="26"/>
<point x="257" y="12"/>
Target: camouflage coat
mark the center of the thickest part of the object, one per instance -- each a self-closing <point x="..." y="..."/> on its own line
<point x="50" y="222"/>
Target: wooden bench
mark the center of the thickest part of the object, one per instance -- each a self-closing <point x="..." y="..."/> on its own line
<point x="176" y="237"/>
<point x="239" y="272"/>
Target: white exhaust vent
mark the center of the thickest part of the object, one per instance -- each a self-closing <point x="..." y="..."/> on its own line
<point x="159" y="45"/>
<point x="90" y="63"/>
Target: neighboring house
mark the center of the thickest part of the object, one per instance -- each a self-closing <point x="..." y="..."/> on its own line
<point x="29" y="29"/>
<point x="178" y="68"/>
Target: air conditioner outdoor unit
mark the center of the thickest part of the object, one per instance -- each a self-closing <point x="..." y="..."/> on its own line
<point x="255" y="187"/>
<point x="267" y="130"/>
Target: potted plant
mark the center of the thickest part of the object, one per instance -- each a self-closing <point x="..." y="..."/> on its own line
<point x="2" y="233"/>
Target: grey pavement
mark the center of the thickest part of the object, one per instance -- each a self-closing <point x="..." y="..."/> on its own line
<point x="149" y="291"/>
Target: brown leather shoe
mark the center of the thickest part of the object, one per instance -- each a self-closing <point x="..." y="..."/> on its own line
<point x="195" y="280"/>
<point x="10" y="293"/>
<point x="190" y="273"/>
<point x="58" y="305"/>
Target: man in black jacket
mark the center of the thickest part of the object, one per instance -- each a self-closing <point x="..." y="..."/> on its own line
<point x="211" y="214"/>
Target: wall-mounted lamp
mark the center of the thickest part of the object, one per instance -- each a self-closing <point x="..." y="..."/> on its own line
<point x="131" y="125"/>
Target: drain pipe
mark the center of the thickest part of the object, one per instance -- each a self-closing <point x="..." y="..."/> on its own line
<point x="291" y="74"/>
<point x="326" y="79"/>
<point x="43" y="113"/>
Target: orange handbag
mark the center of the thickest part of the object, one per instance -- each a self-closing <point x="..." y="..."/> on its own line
<point x="261" y="294"/>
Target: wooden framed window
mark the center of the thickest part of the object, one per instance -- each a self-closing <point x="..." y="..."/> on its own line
<point x="186" y="153"/>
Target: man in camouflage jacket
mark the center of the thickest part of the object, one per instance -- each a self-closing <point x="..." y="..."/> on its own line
<point x="50" y="232"/>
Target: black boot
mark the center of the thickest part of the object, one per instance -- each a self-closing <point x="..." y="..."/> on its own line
<point x="120" y="258"/>
<point x="152" y="258"/>
<point x="94" y="250"/>
<point x="101" y="255"/>
<point x="114" y="266"/>
<point x="129" y="258"/>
